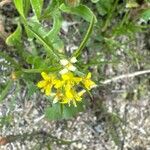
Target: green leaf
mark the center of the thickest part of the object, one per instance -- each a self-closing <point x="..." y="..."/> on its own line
<point x="15" y="37"/>
<point x="26" y="7"/>
<point x="37" y="7"/>
<point x="52" y="7"/>
<point x="82" y="11"/>
<point x="53" y="34"/>
<point x="47" y="44"/>
<point x="57" y="22"/>
<point x="32" y="88"/>
<point x="54" y="112"/>
<point x="63" y="111"/>
<point x="20" y="7"/>
<point x="6" y="90"/>
<point x="104" y="6"/>
<point x="71" y="111"/>
<point x="146" y="14"/>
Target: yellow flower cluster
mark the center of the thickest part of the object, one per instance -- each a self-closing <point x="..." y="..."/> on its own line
<point x="63" y="89"/>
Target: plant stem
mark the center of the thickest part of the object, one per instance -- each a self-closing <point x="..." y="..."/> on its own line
<point x="109" y="16"/>
<point x="86" y="37"/>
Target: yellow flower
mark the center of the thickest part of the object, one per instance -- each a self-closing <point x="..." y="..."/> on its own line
<point x="47" y="84"/>
<point x="68" y="80"/>
<point x="69" y="77"/>
<point x="13" y="76"/>
<point x="72" y="96"/>
<point x="67" y="64"/>
<point x="88" y="83"/>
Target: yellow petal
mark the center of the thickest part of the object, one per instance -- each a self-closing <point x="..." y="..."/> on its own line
<point x="77" y="79"/>
<point x="69" y="94"/>
<point x="41" y="84"/>
<point x="81" y="92"/>
<point x="58" y="84"/>
<point x="45" y="76"/>
<point x="88" y="75"/>
<point x="67" y="76"/>
<point x="48" y="90"/>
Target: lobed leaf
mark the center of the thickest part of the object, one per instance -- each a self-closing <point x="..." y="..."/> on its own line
<point x="81" y="10"/>
<point x="15" y="37"/>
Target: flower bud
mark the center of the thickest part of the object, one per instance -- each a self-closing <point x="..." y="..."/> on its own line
<point x="72" y="3"/>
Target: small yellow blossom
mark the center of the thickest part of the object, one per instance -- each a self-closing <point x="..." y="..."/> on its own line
<point x="63" y="88"/>
<point x="13" y="76"/>
<point x="68" y="80"/>
<point x="71" y="78"/>
<point x="88" y="83"/>
<point x="47" y="84"/>
<point x="68" y="65"/>
<point x="72" y="96"/>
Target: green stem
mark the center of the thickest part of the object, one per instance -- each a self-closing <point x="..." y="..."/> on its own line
<point x="109" y="16"/>
<point x="39" y="70"/>
<point x="86" y="37"/>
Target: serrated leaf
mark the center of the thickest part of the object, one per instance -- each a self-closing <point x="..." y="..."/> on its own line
<point x="37" y="7"/>
<point x="15" y="37"/>
<point x="82" y="11"/>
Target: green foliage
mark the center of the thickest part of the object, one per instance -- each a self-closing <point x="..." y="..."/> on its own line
<point x="39" y="47"/>
<point x="61" y="111"/>
<point x="37" y="7"/>
<point x="15" y="38"/>
<point x="5" y="90"/>
<point x="81" y="10"/>
<point x="146" y="14"/>
<point x="6" y="120"/>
